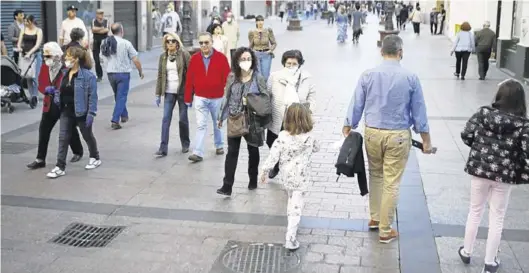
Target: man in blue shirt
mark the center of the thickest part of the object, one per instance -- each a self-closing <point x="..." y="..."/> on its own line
<point x="391" y="98"/>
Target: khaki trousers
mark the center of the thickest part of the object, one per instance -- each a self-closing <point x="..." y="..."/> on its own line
<point x="387" y="154"/>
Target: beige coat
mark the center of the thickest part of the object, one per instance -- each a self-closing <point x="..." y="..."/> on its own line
<point x="231" y="30"/>
<point x="277" y="83"/>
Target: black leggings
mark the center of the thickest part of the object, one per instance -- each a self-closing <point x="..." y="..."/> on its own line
<point x="230" y="165"/>
<point x="462" y="62"/>
<point x="270" y="138"/>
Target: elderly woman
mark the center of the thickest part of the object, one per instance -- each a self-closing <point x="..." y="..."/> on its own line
<point x="220" y="41"/>
<point x="262" y="42"/>
<point x="170" y="84"/>
<point x="50" y="79"/>
<point x="463" y="46"/>
<point x="288" y="85"/>
<point x="243" y="80"/>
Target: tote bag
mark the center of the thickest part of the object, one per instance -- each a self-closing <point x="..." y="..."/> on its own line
<point x="27" y="66"/>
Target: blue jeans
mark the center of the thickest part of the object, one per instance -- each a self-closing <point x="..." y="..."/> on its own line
<point x="33" y="84"/>
<point x="205" y="107"/>
<point x="169" y="103"/>
<point x="265" y="62"/>
<point x="120" y="83"/>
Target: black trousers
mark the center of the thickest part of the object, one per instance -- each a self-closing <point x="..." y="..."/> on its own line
<point x="47" y="122"/>
<point x="433" y="28"/>
<point x="399" y="22"/>
<point x="270" y="138"/>
<point x="416" y="27"/>
<point x="230" y="165"/>
<point x="483" y="63"/>
<point x="356" y="34"/>
<point x="95" y="51"/>
<point x="68" y="121"/>
<point x="15" y="56"/>
<point x="462" y="62"/>
<point x="441" y="27"/>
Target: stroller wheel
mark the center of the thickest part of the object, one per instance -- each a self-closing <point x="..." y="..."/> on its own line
<point x="10" y="109"/>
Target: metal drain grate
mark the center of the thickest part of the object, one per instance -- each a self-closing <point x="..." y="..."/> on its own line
<point x="83" y="235"/>
<point x="258" y="258"/>
<point x="14" y="148"/>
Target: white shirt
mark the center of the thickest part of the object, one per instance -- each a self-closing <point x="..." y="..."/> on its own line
<point x="171" y="22"/>
<point x="172" y="77"/>
<point x="67" y="26"/>
<point x="416" y="16"/>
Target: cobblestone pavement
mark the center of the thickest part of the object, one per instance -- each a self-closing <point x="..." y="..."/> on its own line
<point x="175" y="222"/>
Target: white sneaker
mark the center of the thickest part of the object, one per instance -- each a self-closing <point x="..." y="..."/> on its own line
<point x="292" y="244"/>
<point x="93" y="163"/>
<point x="56" y="172"/>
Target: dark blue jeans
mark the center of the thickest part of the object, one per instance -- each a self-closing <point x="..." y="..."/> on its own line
<point x="120" y="83"/>
<point x="169" y="103"/>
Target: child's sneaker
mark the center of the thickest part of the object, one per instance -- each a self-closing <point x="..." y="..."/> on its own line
<point x="292" y="244"/>
<point x="465" y="256"/>
<point x="492" y="268"/>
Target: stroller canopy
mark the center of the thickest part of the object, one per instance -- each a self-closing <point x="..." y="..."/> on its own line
<point x="9" y="63"/>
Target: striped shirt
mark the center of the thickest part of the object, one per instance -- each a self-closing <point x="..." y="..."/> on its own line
<point x="121" y="62"/>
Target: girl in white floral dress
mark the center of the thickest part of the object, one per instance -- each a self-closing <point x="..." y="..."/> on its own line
<point x="293" y="149"/>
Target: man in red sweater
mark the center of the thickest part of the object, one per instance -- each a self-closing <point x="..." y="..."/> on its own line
<point x="205" y="81"/>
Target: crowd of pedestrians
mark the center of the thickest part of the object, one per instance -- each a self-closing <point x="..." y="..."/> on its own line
<point x="231" y="86"/>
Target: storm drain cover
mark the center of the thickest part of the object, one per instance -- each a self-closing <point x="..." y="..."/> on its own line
<point x="257" y="258"/>
<point x="83" y="235"/>
<point x="14" y="148"/>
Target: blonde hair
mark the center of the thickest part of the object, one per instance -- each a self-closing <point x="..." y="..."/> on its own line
<point x="298" y="119"/>
<point x="172" y="35"/>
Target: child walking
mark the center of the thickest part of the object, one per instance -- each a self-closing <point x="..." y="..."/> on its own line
<point x="498" y="137"/>
<point x="293" y="149"/>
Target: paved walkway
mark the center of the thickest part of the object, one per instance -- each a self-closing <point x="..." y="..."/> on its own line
<point x="175" y="222"/>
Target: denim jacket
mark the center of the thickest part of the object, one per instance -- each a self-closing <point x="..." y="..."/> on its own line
<point x="85" y="93"/>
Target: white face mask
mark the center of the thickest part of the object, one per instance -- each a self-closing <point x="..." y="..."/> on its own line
<point x="245" y="65"/>
<point x="229" y="20"/>
<point x="292" y="70"/>
<point x="49" y="62"/>
<point x="68" y="64"/>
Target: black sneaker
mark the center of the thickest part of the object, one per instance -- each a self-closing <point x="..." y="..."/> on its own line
<point x="115" y="126"/>
<point x="185" y="150"/>
<point x="457" y="75"/>
<point x="464" y="258"/>
<point x="224" y="190"/>
<point x="195" y="158"/>
<point x="273" y="173"/>
<point x="36" y="165"/>
<point x="492" y="268"/>
<point x="252" y="186"/>
<point x="124" y="119"/>
<point x="160" y="153"/>
<point x="76" y="158"/>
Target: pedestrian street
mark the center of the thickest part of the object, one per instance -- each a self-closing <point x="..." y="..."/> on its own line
<point x="170" y="218"/>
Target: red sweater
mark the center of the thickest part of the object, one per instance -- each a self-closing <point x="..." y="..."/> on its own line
<point x="208" y="84"/>
<point x="44" y="81"/>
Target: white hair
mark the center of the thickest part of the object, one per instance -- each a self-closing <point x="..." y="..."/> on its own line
<point x="486" y="24"/>
<point x="53" y="48"/>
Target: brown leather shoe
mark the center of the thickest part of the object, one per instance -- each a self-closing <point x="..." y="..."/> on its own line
<point x="219" y="151"/>
<point x="389" y="238"/>
<point x="373" y="224"/>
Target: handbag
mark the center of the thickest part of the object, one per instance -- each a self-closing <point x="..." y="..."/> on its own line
<point x="238" y="124"/>
<point x="27" y="66"/>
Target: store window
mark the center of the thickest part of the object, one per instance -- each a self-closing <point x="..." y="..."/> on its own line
<point x="517" y="20"/>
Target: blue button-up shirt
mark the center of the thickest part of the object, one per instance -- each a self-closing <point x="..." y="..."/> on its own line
<point x="206" y="59"/>
<point x="391" y="97"/>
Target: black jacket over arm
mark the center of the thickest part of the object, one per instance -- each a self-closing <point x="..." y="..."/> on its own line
<point x="351" y="160"/>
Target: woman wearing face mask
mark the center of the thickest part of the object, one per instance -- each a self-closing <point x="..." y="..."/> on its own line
<point x="288" y="85"/>
<point x="243" y="80"/>
<point x="78" y="102"/>
<point x="263" y="42"/>
<point x="50" y="78"/>
<point x="29" y="43"/>
<point x="220" y="42"/>
<point x="214" y="21"/>
<point x="170" y="84"/>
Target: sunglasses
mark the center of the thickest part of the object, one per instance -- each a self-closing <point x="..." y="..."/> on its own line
<point x="47" y="56"/>
<point x="172" y="41"/>
<point x="203" y="43"/>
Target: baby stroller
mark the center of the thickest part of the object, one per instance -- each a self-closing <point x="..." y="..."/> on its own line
<point x="12" y="88"/>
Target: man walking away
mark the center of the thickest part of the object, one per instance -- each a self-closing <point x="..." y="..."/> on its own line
<point x="443" y="18"/>
<point x="404" y="14"/>
<point x="13" y="31"/>
<point x="332" y="12"/>
<point x="69" y="24"/>
<point x="381" y="92"/>
<point x="398" y="8"/>
<point x="119" y="53"/>
<point x="100" y="31"/>
<point x="485" y="45"/>
<point x="433" y="21"/>
<point x="206" y="78"/>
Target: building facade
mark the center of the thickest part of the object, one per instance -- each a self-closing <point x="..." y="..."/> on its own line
<point x="508" y="18"/>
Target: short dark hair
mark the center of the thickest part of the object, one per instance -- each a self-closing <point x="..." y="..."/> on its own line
<point x="465" y="26"/>
<point x="17" y="12"/>
<point x="292" y="54"/>
<point x="259" y="18"/>
<point x="357" y="6"/>
<point x="213" y="27"/>
<point x="31" y="18"/>
<point x="77" y="34"/>
<point x="511" y="98"/>
<point x="235" y="68"/>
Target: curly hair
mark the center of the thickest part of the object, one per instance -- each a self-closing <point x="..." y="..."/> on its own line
<point x="465" y="26"/>
<point x="235" y="67"/>
<point x="77" y="34"/>
<point x="215" y="26"/>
